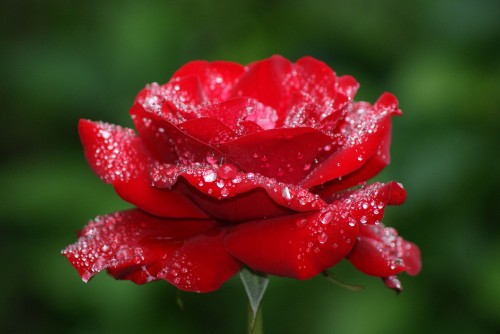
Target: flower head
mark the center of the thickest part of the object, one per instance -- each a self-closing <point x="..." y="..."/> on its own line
<point x="261" y="166"/>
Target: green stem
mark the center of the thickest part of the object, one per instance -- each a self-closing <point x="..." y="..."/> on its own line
<point x="255" y="322"/>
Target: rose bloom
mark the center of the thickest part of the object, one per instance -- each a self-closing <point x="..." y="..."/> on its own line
<point x="263" y="166"/>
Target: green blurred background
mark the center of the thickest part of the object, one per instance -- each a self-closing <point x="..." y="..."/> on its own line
<point x="65" y="60"/>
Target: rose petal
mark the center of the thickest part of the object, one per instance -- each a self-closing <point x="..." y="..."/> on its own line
<point x="153" y="135"/>
<point x="232" y="111"/>
<point x="117" y="156"/>
<point x="348" y="86"/>
<point x="374" y="165"/>
<point x="187" y="148"/>
<point x="184" y="95"/>
<point x="202" y="264"/>
<point x="298" y="246"/>
<point x="207" y="130"/>
<point x="270" y="81"/>
<point x="362" y="132"/>
<point x="232" y="196"/>
<point x="130" y="242"/>
<point x="393" y="282"/>
<point x="286" y="154"/>
<point x="114" y="153"/>
<point x="367" y="205"/>
<point x="379" y="251"/>
<point x="216" y="78"/>
<point x="317" y="78"/>
<point x="177" y="100"/>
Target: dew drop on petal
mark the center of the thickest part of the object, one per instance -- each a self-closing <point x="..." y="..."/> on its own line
<point x="224" y="192"/>
<point x="301" y="222"/>
<point x="105" y="134"/>
<point x="209" y="176"/>
<point x="285" y="192"/>
<point x="322" y="238"/>
<point x="326" y="218"/>
<point x="227" y="171"/>
<point x="211" y="159"/>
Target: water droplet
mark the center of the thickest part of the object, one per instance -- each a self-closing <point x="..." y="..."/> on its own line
<point x="322" y="238"/>
<point x="307" y="167"/>
<point x="365" y="205"/>
<point x="209" y="176"/>
<point x="227" y="171"/>
<point x="352" y="222"/>
<point x="326" y="218"/>
<point x="285" y="192"/>
<point x="224" y="192"/>
<point x="360" y="158"/>
<point x="301" y="222"/>
<point x="105" y="134"/>
<point x="363" y="220"/>
<point x="327" y="147"/>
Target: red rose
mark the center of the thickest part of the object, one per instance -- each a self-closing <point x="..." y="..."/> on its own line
<point x="245" y="166"/>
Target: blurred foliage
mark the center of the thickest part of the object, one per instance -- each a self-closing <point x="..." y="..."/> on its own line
<point x="62" y="60"/>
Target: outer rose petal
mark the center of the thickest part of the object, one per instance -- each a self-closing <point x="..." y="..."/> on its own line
<point x="298" y="246"/>
<point x="202" y="264"/>
<point x="117" y="156"/>
<point x="363" y="131"/>
<point x="367" y="205"/>
<point x="372" y="167"/>
<point x="134" y="245"/>
<point x="381" y="252"/>
<point x="303" y="245"/>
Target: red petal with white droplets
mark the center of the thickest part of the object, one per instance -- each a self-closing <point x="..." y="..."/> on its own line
<point x="136" y="246"/>
<point x="118" y="156"/>
<point x="202" y="264"/>
<point x="367" y="205"/>
<point x="269" y="81"/>
<point x="302" y="245"/>
<point x="379" y="251"/>
<point x="360" y="136"/>
<point x="298" y="246"/>
<point x="374" y="165"/>
<point x="286" y="154"/>
<point x="217" y="78"/>
<point x="226" y="193"/>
